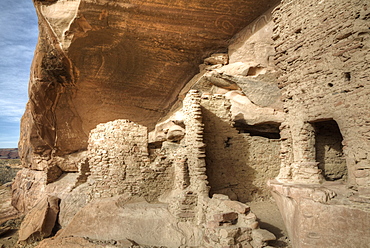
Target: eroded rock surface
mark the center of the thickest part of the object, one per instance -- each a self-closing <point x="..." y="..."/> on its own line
<point x="147" y="224"/>
<point x="98" y="61"/>
<point x="40" y="221"/>
<point x="286" y="101"/>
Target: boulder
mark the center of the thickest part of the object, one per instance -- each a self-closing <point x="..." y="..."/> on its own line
<point x="230" y="217"/>
<point x="315" y="220"/>
<point x="7" y="211"/>
<point x="27" y="188"/>
<point x="40" y="221"/>
<point x="243" y="109"/>
<point x="72" y="203"/>
<point x="175" y="133"/>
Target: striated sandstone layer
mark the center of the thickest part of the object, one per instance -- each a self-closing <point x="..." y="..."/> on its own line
<point x="292" y="92"/>
<point x="9" y="153"/>
<point x="184" y="186"/>
<point x="98" y="61"/>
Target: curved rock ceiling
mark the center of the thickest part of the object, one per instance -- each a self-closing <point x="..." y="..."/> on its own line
<point x="100" y="60"/>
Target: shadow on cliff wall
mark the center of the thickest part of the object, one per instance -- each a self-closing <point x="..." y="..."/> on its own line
<point x="227" y="159"/>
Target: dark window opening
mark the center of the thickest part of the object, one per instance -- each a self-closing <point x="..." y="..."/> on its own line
<point x="329" y="150"/>
<point x="254" y="71"/>
<point x="154" y="148"/>
<point x="347" y="76"/>
<point x="267" y="130"/>
<point x="227" y="142"/>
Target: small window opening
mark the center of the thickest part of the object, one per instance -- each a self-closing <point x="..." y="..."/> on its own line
<point x="329" y="150"/>
<point x="227" y="142"/>
<point x="347" y="76"/>
<point x="267" y="130"/>
<point x="255" y="71"/>
<point x="154" y="148"/>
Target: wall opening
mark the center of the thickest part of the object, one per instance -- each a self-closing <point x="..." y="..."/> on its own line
<point x="268" y="130"/>
<point x="329" y="150"/>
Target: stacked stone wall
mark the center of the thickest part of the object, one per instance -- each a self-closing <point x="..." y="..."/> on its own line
<point x="322" y="51"/>
<point x="119" y="162"/>
<point x="238" y="164"/>
<point x="191" y="182"/>
<point x="193" y="139"/>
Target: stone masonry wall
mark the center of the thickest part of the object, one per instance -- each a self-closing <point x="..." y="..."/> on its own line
<point x="323" y="54"/>
<point x="238" y="165"/>
<point x="119" y="162"/>
<point x="190" y="168"/>
<point x="194" y="142"/>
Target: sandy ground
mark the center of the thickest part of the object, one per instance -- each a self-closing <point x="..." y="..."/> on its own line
<point x="7" y="211"/>
<point x="270" y="219"/>
<point x="9" y="219"/>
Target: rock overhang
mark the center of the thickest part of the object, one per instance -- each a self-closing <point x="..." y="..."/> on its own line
<point x="107" y="60"/>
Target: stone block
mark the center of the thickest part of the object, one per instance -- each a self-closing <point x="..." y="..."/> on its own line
<point x="186" y="215"/>
<point x="237" y="206"/>
<point x="245" y="236"/>
<point x="263" y="235"/>
<point x="254" y="225"/>
<point x="213" y="224"/>
<point x="260" y="237"/>
<point x="362" y="173"/>
<point x="229" y="232"/>
<point x="220" y="197"/>
<point x="364" y="191"/>
<point x="230" y="217"/>
<point x="363" y="181"/>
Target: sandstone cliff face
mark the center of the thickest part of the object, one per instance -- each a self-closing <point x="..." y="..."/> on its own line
<point x="117" y="67"/>
<point x="97" y="61"/>
<point x="275" y="106"/>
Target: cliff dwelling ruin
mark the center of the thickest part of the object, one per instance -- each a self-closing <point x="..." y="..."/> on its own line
<point x="155" y="123"/>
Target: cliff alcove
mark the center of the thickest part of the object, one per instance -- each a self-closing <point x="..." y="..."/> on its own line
<point x="166" y="123"/>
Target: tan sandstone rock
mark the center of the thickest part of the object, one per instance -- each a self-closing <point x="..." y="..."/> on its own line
<point x="144" y="223"/>
<point x="97" y="61"/>
<point x="39" y="222"/>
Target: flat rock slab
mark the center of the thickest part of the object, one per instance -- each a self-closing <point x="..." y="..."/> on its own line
<point x="312" y="222"/>
<point x="145" y="223"/>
